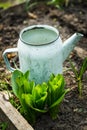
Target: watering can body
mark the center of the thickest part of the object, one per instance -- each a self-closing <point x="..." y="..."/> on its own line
<point x="41" y="51"/>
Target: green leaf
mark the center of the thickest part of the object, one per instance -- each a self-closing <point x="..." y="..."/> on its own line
<point x="19" y="81"/>
<point x="28" y="86"/>
<point x="28" y="99"/>
<point x="59" y="100"/>
<point x="40" y="103"/>
<point x="83" y="68"/>
<point x="39" y="95"/>
<point x="53" y="109"/>
<point x="14" y="83"/>
<point x="73" y="69"/>
<point x="21" y="84"/>
<point x="27" y="103"/>
<point x="57" y="3"/>
<point x="55" y="88"/>
<point x="52" y="77"/>
<point x="26" y="75"/>
<point x="56" y="93"/>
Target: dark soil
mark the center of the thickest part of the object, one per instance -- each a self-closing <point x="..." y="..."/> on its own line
<point x="73" y="111"/>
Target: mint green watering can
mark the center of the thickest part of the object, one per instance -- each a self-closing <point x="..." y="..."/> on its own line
<point x="41" y="51"/>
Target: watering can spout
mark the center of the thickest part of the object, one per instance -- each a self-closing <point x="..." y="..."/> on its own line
<point x="69" y="44"/>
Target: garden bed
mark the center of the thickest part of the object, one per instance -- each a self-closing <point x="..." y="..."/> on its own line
<point x="73" y="110"/>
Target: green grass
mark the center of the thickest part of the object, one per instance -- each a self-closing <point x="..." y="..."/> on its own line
<point x="5" y="5"/>
<point x="8" y="4"/>
<point x="79" y="74"/>
<point x="3" y="125"/>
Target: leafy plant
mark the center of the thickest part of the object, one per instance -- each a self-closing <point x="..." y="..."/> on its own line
<point x="29" y="4"/>
<point x="56" y="93"/>
<point x="35" y="102"/>
<point x="32" y="97"/>
<point x="59" y="3"/>
<point x="79" y="74"/>
<point x="40" y="98"/>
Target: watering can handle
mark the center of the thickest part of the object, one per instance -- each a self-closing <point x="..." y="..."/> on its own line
<point x="10" y="50"/>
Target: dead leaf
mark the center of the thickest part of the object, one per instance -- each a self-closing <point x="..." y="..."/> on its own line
<point x="11" y="55"/>
<point x="31" y="15"/>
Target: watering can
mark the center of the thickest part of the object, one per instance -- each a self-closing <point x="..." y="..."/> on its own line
<point x="41" y="51"/>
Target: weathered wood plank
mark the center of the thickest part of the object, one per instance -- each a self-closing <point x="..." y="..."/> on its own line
<point x="10" y="115"/>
